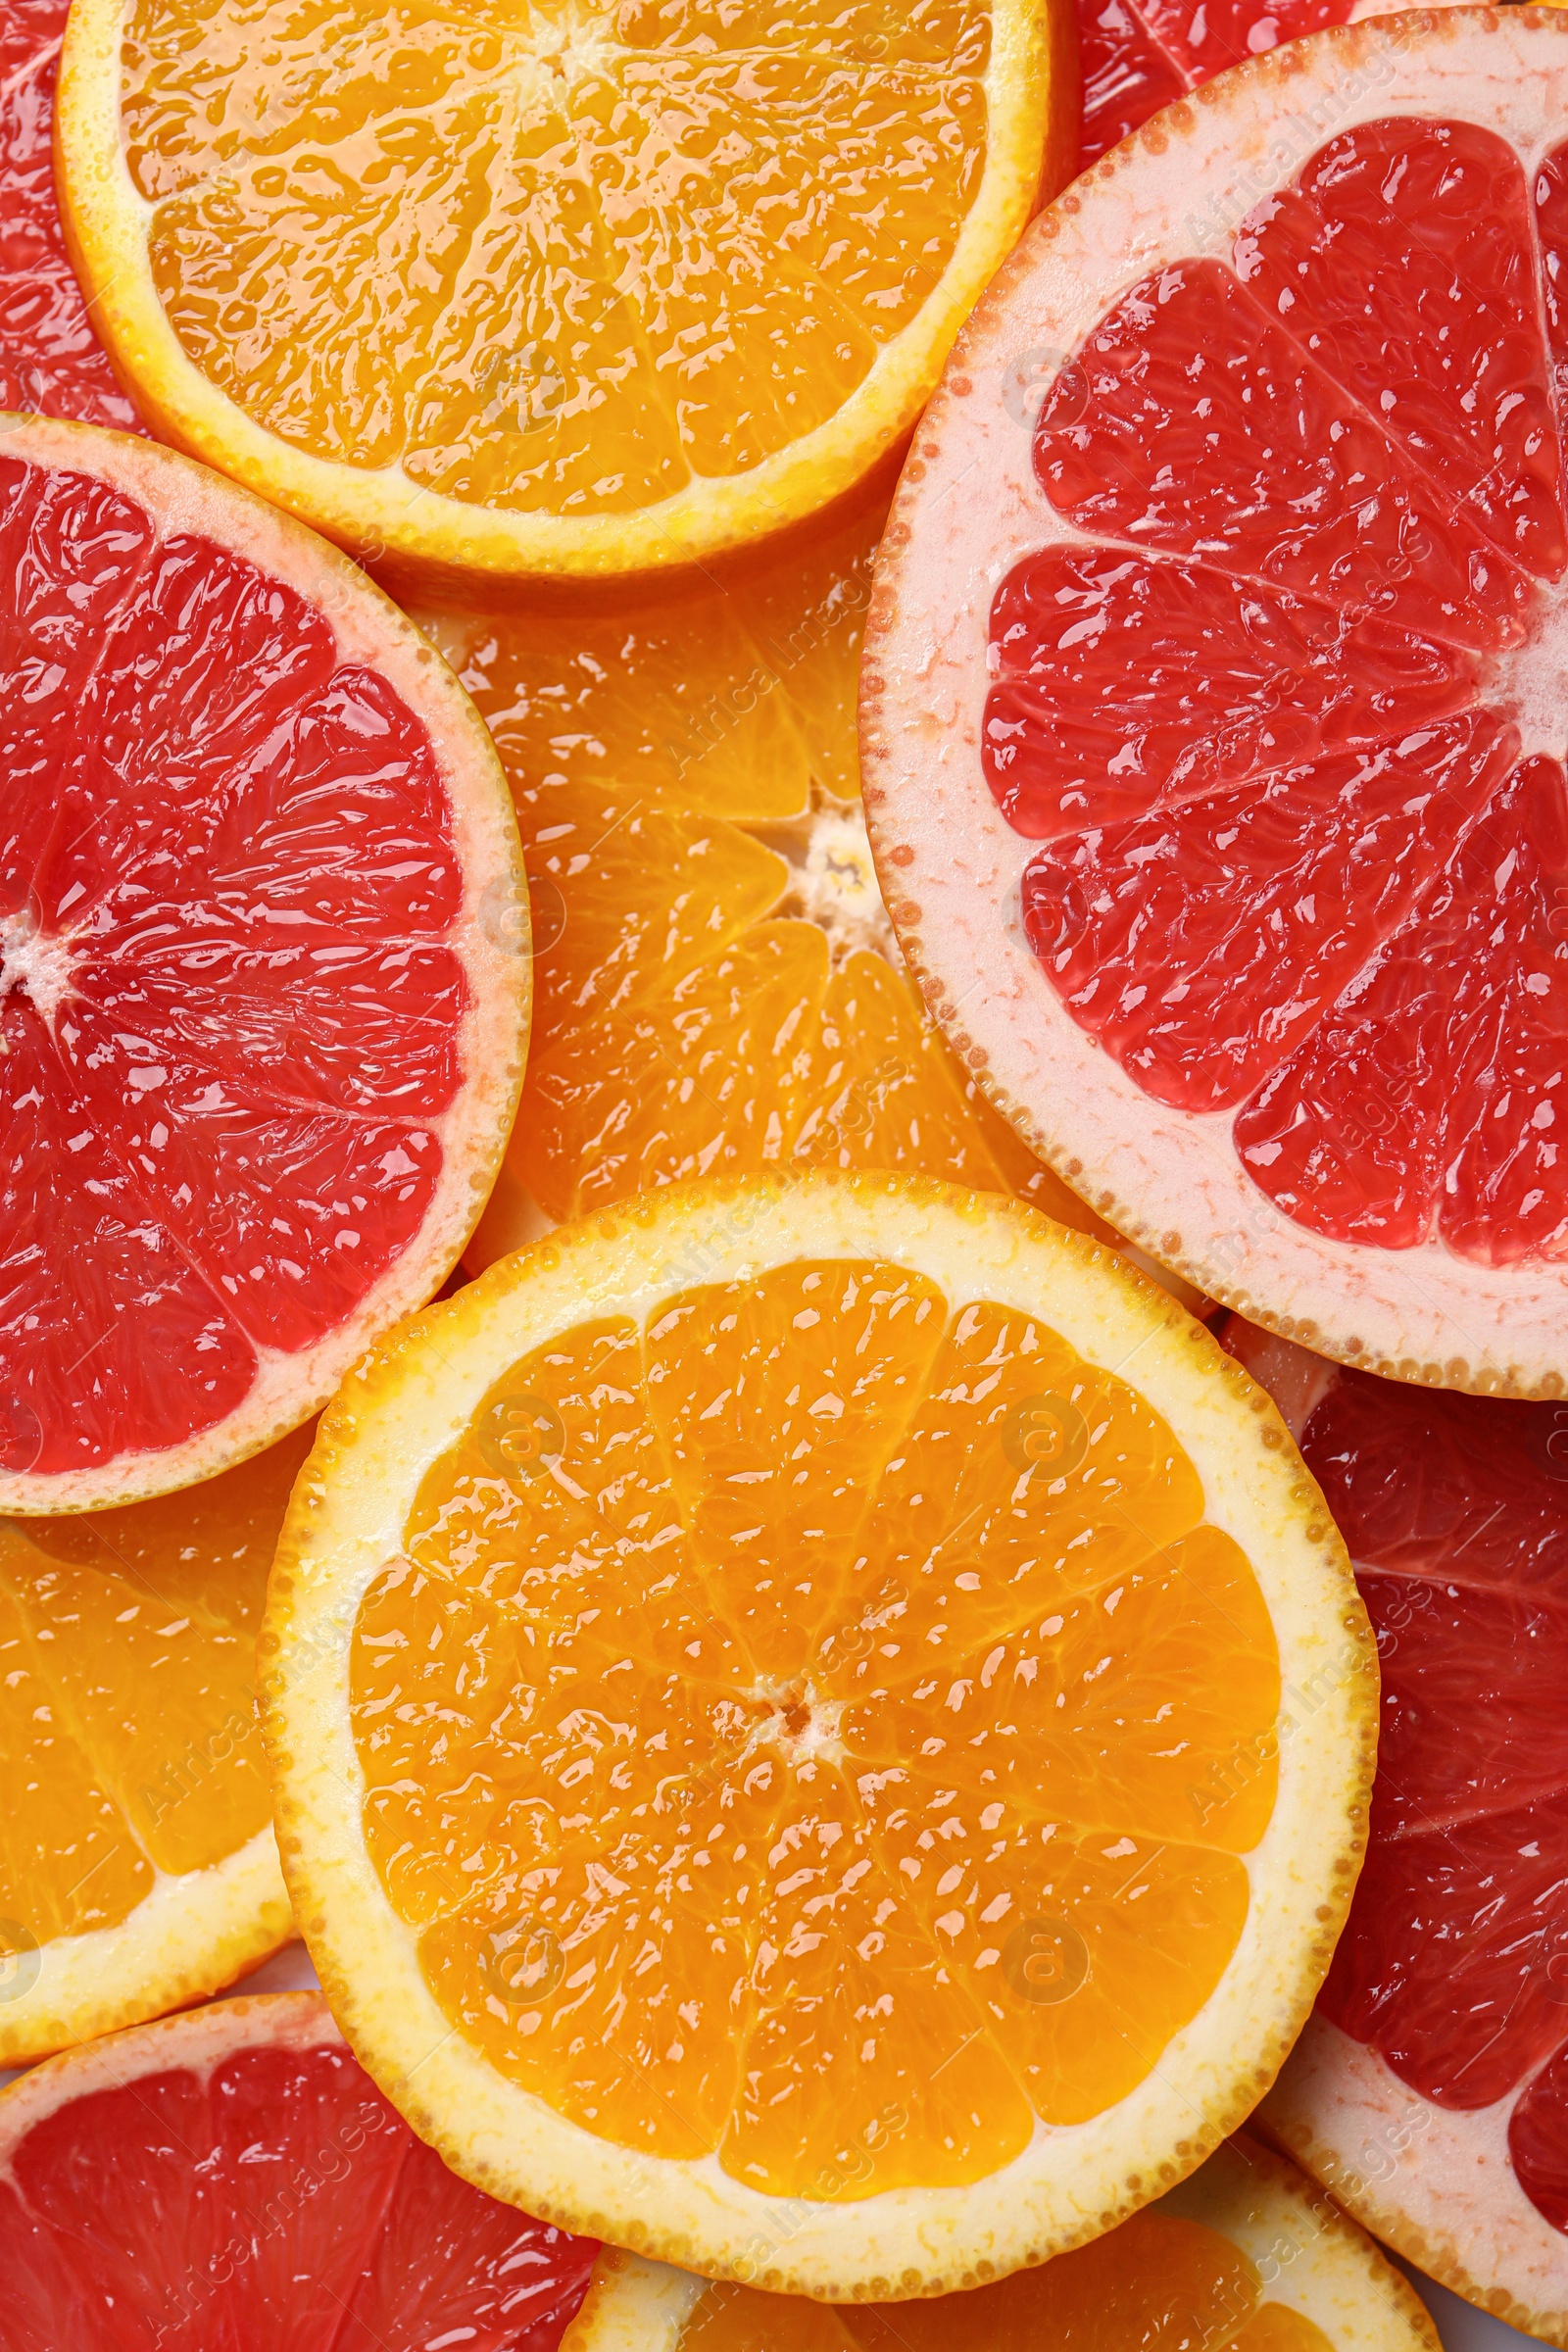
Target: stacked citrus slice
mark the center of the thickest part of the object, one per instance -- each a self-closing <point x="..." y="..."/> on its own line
<point x="1241" y="2258"/>
<point x="1214" y="702"/>
<point x="1137" y="56"/>
<point x="594" y="288"/>
<point x="137" y="1865"/>
<point x="774" y="1698"/>
<point x="1430" y="2093"/>
<point x="264" y="985"/>
<point x="716" y="985"/>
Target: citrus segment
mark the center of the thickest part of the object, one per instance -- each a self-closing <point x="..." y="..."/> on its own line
<point x="263" y="1021"/>
<point x="138" y="1867"/>
<point x="820" y="1644"/>
<point x="1431" y="2090"/>
<point x="1244" y="2255"/>
<point x="1266" y="701"/>
<point x="599" y="290"/>
<point x="50" y="359"/>
<point x="716" y="982"/>
<point x="1141" y="55"/>
<point x="231" y="2176"/>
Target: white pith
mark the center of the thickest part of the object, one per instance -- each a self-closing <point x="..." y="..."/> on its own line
<point x="1313" y="2261"/>
<point x="969" y="508"/>
<point x="1436" y="2184"/>
<point x="448" y="540"/>
<point x="837" y="887"/>
<point x="403" y="1408"/>
<point x="190" y="1934"/>
<point x="490" y="936"/>
<point x="38" y="965"/>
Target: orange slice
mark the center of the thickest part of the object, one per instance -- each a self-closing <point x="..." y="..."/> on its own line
<point x="590" y="288"/>
<point x="264" y="969"/>
<point x="776" y="1704"/>
<point x="1244" y="2257"/>
<point x="1214" y="702"/>
<point x="717" y="985"/>
<point x="137" y="1864"/>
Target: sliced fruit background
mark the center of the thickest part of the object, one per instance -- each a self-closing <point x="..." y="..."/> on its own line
<point x="137" y="1864"/>
<point x="1431" y="2092"/>
<point x="716" y="983"/>
<point x="1255" y="926"/>
<point x="263" y="975"/>
<point x="599" y="291"/>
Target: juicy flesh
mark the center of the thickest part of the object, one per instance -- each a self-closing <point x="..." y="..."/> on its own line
<point x="228" y="1006"/>
<point x="1137" y="56"/>
<point x="561" y="259"/>
<point x="1455" y="1962"/>
<point x="273" y="2197"/>
<point x="128" y="1742"/>
<point x="1160" y="2282"/>
<point x="715" y="982"/>
<point x="1288" y="721"/>
<point x="50" y="361"/>
<point x="812" y="1689"/>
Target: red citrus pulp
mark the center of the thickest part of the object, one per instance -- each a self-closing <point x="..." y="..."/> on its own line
<point x="1216" y="742"/>
<point x="1139" y="55"/>
<point x="1431" y="2090"/>
<point x="230" y="2178"/>
<point x="50" y="359"/>
<point x="262" y="969"/>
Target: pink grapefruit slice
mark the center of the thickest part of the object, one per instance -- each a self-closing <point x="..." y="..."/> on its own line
<point x="1213" y="694"/>
<point x="230" y="2178"/>
<point x="264" y="976"/>
<point x="1430" y="2090"/>
<point x="1137" y="56"/>
<point x="50" y="360"/>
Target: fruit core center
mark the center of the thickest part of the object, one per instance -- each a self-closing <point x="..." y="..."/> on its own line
<point x="1530" y="681"/>
<point x="37" y="963"/>
<point x="571" y="43"/>
<point x="836" y="886"/>
<point x="804" y="1726"/>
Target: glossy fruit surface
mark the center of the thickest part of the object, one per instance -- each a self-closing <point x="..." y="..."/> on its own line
<point x="598" y="288"/>
<point x="1431" y="2090"/>
<point x="1239" y="685"/>
<point x="230" y="2178"/>
<point x="757" y="1677"/>
<point x="263" y="981"/>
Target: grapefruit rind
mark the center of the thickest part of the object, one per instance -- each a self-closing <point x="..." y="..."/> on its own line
<point x="1426" y="2179"/>
<point x="442" y="541"/>
<point x="191" y="1936"/>
<point x="491" y="939"/>
<point x="1311" y="2258"/>
<point x="949" y="861"/>
<point x="410" y="1399"/>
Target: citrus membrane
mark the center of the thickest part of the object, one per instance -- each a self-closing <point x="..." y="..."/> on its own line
<point x="775" y="1698"/>
<point x="1239" y="685"/>
<point x="1431" y="2090"/>
<point x="595" y="288"/>
<point x="231" y="2178"/>
<point x="263" y="979"/>
<point x="716" y="983"/>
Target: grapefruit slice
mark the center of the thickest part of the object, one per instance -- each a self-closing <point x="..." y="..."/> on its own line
<point x="717" y="985"/>
<point x="50" y="359"/>
<point x="589" y="288"/>
<point x="230" y="2178"/>
<point x="1244" y="2257"/>
<point x="263" y="983"/>
<point x="1213" y="709"/>
<point x="137" y="1864"/>
<point x="1137" y="56"/>
<point x="1430" y="2092"/>
<point x="733" y="1803"/>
